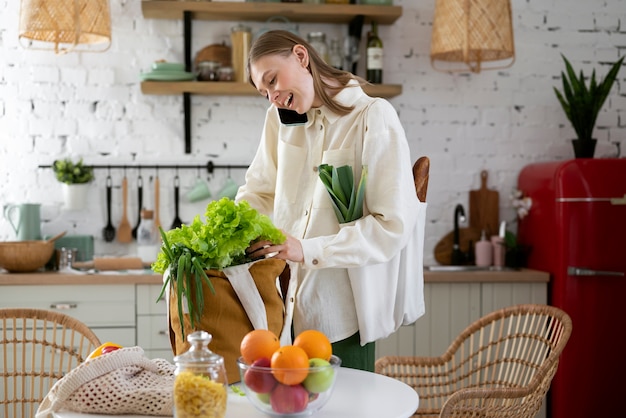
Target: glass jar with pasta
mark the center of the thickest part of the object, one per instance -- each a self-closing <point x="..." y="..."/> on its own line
<point x="200" y="384"/>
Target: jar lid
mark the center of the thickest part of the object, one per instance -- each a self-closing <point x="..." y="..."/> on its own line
<point x="199" y="351"/>
<point x="316" y="35"/>
<point x="241" y="28"/>
<point x="209" y="64"/>
<point x="147" y="214"/>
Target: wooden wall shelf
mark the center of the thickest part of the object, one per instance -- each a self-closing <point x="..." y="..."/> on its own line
<point x="189" y="10"/>
<point x="241" y="89"/>
<point x="256" y="11"/>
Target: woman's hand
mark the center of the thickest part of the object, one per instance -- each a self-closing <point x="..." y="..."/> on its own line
<point x="290" y="250"/>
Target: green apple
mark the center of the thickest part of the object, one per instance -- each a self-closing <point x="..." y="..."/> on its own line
<point x="318" y="381"/>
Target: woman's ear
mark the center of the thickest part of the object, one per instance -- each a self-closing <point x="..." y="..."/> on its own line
<point x="302" y="55"/>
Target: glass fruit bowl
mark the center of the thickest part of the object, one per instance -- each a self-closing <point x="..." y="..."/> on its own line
<point x="263" y="388"/>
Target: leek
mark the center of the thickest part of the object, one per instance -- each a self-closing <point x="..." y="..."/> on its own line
<point x="345" y="195"/>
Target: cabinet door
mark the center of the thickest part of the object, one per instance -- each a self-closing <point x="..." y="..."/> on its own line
<point x="98" y="306"/>
<point x="152" y="325"/>
<point x="450" y="307"/>
<point x="499" y="295"/>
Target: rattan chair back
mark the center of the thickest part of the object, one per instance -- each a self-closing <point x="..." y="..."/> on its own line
<point x="37" y="347"/>
<point x="499" y="366"/>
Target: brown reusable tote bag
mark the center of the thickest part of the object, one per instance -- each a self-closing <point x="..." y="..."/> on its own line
<point x="225" y="317"/>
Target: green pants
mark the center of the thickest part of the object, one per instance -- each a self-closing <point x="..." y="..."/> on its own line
<point x="355" y="356"/>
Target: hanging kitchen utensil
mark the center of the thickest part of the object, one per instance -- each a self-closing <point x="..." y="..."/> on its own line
<point x="139" y="204"/>
<point x="443" y="249"/>
<point x="124" y="231"/>
<point x="157" y="219"/>
<point x="484" y="210"/>
<point x="177" y="222"/>
<point x="108" y="232"/>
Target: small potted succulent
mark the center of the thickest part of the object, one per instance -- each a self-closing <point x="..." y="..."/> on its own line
<point x="582" y="103"/>
<point x="75" y="177"/>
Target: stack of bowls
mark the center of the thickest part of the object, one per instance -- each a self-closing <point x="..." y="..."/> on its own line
<point x="167" y="71"/>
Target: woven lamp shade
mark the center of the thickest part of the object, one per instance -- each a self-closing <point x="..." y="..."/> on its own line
<point x="70" y="25"/>
<point x="467" y="33"/>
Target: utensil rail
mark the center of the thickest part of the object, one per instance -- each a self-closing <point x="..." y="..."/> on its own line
<point x="209" y="166"/>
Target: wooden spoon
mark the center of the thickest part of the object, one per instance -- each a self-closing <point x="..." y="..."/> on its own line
<point x="124" y="231"/>
<point x="57" y="236"/>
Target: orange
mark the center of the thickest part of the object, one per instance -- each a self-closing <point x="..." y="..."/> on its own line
<point x="290" y="365"/>
<point x="315" y="343"/>
<point x="258" y="343"/>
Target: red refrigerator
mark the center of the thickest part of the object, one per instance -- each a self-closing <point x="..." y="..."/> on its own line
<point x="576" y="229"/>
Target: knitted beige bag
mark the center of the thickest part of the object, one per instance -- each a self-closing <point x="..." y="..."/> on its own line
<point x="120" y="382"/>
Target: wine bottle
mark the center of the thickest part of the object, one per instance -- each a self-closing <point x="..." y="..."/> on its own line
<point x="374" y="56"/>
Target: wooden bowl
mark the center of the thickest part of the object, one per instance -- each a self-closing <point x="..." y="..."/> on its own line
<point x="25" y="256"/>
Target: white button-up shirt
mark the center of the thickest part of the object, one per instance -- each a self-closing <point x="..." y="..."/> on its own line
<point x="283" y="182"/>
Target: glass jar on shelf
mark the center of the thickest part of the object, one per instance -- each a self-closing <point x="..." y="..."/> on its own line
<point x="335" y="58"/>
<point x="318" y="41"/>
<point x="200" y="383"/>
<point x="208" y="70"/>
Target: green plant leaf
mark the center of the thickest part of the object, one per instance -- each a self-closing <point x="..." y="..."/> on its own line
<point x="582" y="103"/>
<point x="357" y="205"/>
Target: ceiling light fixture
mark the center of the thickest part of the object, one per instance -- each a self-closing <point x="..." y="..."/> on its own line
<point x="467" y="33"/>
<point x="70" y="25"/>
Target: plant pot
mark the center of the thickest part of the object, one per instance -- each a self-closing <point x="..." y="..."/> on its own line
<point x="584" y="148"/>
<point x="75" y="195"/>
<point x="517" y="257"/>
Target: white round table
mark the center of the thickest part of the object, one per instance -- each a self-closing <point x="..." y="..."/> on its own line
<point x="356" y="394"/>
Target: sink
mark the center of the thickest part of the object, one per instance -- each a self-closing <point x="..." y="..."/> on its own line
<point x="465" y="268"/>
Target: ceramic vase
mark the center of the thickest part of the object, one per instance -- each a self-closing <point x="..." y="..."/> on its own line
<point x="75" y="196"/>
<point x="584" y="148"/>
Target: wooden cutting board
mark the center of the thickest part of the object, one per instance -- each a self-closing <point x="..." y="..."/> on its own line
<point x="484" y="210"/>
<point x="443" y="249"/>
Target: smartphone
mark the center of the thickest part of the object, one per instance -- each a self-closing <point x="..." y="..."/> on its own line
<point x="291" y="117"/>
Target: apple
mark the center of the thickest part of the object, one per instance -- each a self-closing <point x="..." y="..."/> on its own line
<point x="318" y="381"/>
<point x="260" y="381"/>
<point x="264" y="397"/>
<point x="110" y="348"/>
<point x="287" y="399"/>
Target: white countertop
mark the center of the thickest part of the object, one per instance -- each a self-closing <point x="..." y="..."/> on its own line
<point x="356" y="394"/>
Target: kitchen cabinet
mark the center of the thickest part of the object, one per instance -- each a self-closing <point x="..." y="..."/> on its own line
<point x="188" y="10"/>
<point x="108" y="310"/>
<point x="450" y="308"/>
<point x="152" y="325"/>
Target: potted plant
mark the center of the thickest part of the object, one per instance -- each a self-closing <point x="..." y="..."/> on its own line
<point x="212" y="283"/>
<point x="582" y="103"/>
<point x="75" y="177"/>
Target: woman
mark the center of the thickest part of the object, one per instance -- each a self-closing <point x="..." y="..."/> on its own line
<point x="327" y="118"/>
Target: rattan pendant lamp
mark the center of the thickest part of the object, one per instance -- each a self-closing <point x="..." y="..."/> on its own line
<point x="65" y="25"/>
<point x="467" y="33"/>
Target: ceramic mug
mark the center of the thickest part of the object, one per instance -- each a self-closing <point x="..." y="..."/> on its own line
<point x="200" y="191"/>
<point x="25" y="219"/>
<point x="229" y="189"/>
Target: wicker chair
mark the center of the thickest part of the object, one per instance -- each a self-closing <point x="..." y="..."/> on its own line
<point x="499" y="366"/>
<point x="37" y="347"/>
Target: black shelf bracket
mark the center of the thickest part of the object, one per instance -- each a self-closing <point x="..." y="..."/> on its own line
<point x="188" y="68"/>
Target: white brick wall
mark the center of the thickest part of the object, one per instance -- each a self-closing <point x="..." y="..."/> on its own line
<point x="90" y="105"/>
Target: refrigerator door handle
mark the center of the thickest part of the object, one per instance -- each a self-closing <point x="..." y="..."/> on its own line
<point x="577" y="271"/>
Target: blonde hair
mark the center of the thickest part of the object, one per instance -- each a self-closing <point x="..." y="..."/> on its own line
<point x="281" y="42"/>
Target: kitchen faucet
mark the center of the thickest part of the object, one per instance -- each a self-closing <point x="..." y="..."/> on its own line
<point x="458" y="257"/>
